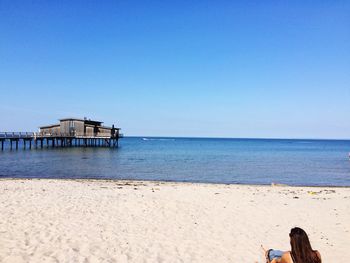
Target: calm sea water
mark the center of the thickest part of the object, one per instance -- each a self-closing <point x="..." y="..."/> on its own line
<point x="244" y="161"/>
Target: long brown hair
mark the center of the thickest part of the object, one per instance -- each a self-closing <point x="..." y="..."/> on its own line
<point x="302" y="251"/>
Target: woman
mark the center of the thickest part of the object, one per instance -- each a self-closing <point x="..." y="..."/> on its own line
<point x="301" y="251"/>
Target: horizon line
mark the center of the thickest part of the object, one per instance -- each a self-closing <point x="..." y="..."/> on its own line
<point x="241" y="138"/>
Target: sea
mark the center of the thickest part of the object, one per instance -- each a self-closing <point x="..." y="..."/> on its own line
<point x="204" y="160"/>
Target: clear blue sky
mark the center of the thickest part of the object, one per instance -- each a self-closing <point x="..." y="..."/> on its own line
<point x="179" y="68"/>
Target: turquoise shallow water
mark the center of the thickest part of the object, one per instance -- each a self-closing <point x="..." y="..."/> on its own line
<point x="244" y="161"/>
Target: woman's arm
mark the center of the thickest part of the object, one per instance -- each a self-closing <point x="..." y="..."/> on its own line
<point x="286" y="258"/>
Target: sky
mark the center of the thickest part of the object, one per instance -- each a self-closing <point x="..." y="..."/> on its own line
<point x="251" y="69"/>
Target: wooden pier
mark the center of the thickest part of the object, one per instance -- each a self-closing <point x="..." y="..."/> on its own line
<point x="41" y="140"/>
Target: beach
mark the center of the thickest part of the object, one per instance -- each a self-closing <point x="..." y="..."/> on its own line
<point x="46" y="220"/>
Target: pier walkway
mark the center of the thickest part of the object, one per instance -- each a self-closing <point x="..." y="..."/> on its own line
<point x="37" y="139"/>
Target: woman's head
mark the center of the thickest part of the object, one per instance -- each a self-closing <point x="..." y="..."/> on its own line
<point x="301" y="248"/>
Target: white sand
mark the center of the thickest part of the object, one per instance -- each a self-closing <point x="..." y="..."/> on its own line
<point x="120" y="221"/>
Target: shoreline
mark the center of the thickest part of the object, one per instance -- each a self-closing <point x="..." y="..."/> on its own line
<point x="89" y="220"/>
<point x="272" y="184"/>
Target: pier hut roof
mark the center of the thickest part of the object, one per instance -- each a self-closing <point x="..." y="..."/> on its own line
<point x="49" y="126"/>
<point x="87" y="121"/>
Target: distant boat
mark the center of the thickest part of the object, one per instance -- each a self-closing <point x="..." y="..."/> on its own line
<point x="158" y="139"/>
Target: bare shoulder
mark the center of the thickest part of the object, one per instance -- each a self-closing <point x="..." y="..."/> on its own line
<point x="286" y="257"/>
